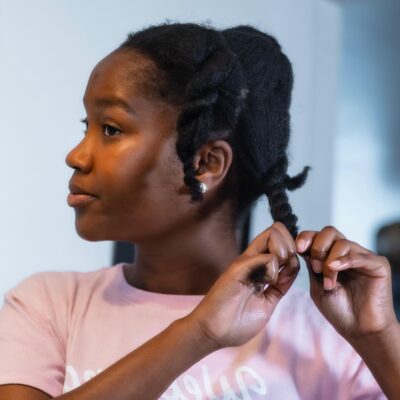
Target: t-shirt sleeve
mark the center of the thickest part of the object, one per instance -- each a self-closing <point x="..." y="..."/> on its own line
<point x="31" y="350"/>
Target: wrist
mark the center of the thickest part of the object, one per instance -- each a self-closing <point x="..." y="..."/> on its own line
<point x="378" y="339"/>
<point x="192" y="328"/>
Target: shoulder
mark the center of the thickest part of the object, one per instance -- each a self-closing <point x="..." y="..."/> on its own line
<point x="54" y="294"/>
<point x="51" y="298"/>
<point x="55" y="283"/>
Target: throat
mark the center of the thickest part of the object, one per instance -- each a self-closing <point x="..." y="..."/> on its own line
<point x="189" y="281"/>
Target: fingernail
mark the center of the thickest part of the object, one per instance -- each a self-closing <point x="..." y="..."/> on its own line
<point x="335" y="264"/>
<point x="301" y="245"/>
<point x="317" y="266"/>
<point x="328" y="283"/>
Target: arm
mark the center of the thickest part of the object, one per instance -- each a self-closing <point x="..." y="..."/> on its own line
<point x="146" y="372"/>
<point x="351" y="286"/>
<point x="236" y="308"/>
<point x="381" y="353"/>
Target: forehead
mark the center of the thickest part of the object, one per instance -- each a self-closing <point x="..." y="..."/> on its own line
<point x="121" y="73"/>
<point x="123" y="79"/>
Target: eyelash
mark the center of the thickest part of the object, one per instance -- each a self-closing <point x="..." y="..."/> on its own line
<point x="85" y="121"/>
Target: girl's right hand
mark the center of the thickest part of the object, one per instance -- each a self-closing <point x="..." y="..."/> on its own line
<point x="238" y="305"/>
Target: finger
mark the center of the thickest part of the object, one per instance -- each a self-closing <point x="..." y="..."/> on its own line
<point x="274" y="292"/>
<point x="269" y="241"/>
<point x="287" y="235"/>
<point x="340" y="248"/>
<point x="303" y="243"/>
<point x="259" y="244"/>
<point x="257" y="270"/>
<point x="324" y="241"/>
<point x="304" y="240"/>
<point x="287" y="275"/>
<point x="369" y="263"/>
<point x="344" y="246"/>
<point x="278" y="245"/>
<point x="290" y="269"/>
<point x="319" y="245"/>
<point x="315" y="279"/>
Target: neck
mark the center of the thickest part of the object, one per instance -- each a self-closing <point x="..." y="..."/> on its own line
<point x="186" y="262"/>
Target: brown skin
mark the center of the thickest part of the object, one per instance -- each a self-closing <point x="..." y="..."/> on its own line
<point x="182" y="249"/>
<point x="138" y="179"/>
<point x="359" y="301"/>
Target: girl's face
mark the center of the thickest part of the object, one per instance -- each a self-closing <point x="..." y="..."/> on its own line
<point x="127" y="157"/>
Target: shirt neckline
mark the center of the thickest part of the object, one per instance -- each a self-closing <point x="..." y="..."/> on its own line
<point x="169" y="302"/>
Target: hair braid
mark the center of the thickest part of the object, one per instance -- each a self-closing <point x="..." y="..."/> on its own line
<point x="266" y="121"/>
<point x="212" y="108"/>
<point x="274" y="184"/>
<point x="236" y="85"/>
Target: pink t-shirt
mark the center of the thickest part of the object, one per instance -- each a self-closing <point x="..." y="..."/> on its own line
<point x="59" y="329"/>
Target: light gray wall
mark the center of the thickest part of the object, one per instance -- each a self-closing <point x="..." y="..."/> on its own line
<point x="367" y="175"/>
<point x="48" y="49"/>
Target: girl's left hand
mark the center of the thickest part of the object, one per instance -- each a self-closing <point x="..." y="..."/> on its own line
<point x="350" y="285"/>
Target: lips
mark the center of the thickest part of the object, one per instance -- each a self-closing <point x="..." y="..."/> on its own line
<point x="79" y="200"/>
<point x="79" y="196"/>
<point x="77" y="189"/>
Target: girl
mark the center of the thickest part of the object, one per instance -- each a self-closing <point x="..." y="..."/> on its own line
<point x="186" y="127"/>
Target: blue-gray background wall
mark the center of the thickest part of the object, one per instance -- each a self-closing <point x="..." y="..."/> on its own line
<point x="366" y="182"/>
<point x="48" y="49"/>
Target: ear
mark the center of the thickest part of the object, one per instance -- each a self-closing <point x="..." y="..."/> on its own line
<point x="212" y="162"/>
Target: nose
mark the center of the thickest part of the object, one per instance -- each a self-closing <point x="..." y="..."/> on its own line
<point x="80" y="157"/>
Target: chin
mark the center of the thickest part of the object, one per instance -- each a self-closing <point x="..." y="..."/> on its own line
<point x="90" y="232"/>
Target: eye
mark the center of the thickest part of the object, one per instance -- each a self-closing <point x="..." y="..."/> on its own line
<point x="85" y="121"/>
<point x="110" y="130"/>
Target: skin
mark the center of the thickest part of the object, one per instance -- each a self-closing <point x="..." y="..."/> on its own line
<point x="138" y="179"/>
<point x="141" y="198"/>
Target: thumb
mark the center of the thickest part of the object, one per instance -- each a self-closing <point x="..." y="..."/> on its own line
<point x="316" y="279"/>
<point x="287" y="275"/>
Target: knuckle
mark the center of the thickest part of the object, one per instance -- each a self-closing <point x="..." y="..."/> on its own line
<point x="318" y="252"/>
<point x="273" y="228"/>
<point x="279" y="224"/>
<point x="352" y="257"/>
<point x="272" y="258"/>
<point x="304" y="234"/>
<point x="384" y="261"/>
<point x="342" y="242"/>
<point x="329" y="228"/>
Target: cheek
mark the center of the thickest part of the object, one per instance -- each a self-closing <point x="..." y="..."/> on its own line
<point x="129" y="182"/>
<point x="141" y="182"/>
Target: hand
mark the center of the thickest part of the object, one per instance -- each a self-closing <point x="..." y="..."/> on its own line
<point x="239" y="305"/>
<point x="350" y="285"/>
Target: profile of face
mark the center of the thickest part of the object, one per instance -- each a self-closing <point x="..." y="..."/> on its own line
<point x="127" y="157"/>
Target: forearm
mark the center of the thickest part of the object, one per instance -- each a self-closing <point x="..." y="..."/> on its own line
<point x="146" y="372"/>
<point x="381" y="353"/>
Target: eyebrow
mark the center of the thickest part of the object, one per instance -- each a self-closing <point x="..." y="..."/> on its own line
<point x="114" y="102"/>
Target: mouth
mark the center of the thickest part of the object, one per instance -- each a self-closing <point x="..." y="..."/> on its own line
<point x="79" y="196"/>
<point x="79" y="199"/>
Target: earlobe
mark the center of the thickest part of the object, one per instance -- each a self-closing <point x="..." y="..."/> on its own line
<point x="203" y="187"/>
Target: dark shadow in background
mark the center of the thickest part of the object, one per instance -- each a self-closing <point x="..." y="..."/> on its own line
<point x="388" y="245"/>
<point x="125" y="252"/>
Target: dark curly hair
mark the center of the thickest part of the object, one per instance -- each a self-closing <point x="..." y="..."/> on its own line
<point x="233" y="84"/>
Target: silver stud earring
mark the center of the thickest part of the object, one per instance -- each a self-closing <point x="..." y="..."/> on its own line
<point x="203" y="187"/>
